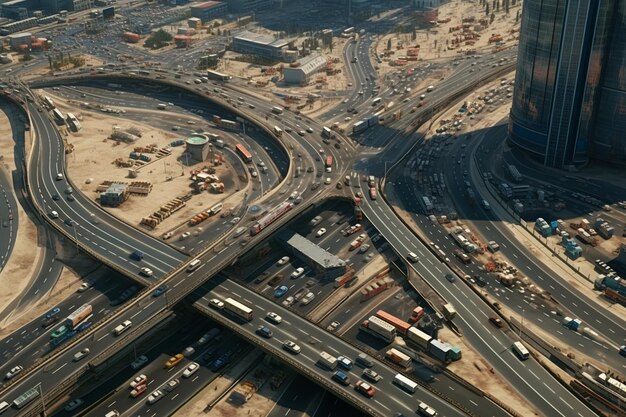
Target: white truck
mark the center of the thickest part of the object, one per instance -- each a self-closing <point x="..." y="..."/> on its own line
<point x="327" y="361"/>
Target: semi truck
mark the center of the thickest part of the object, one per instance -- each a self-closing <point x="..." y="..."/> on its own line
<point x="379" y="328"/>
<point x="75" y="322"/>
<point x="328" y="361"/>
<point x="397" y="357"/>
<point x="418" y="337"/>
<point x="81" y="314"/>
<point x="448" y="311"/>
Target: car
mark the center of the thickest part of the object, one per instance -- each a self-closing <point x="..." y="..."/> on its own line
<point x="364" y="248"/>
<point x="265" y="332"/>
<point x="49" y="321"/>
<point x="54" y="215"/>
<point x="174" y="360"/>
<point x="622" y="350"/>
<point x="56" y="197"/>
<point x="316" y="220"/>
<point x="215" y="303"/>
<point x="139" y="362"/>
<point x="155" y="396"/>
<point x="235" y="220"/>
<point x="74" y="404"/>
<point x="84" y="286"/>
<point x="168" y="235"/>
<point x="301" y="133"/>
<point x="138" y="390"/>
<point x="496" y="321"/>
<point x="189" y="351"/>
<point x="171" y="385"/>
<point x="307" y="298"/>
<point x="365" y="388"/>
<point x="160" y="290"/>
<point x="450" y="278"/>
<point x="283" y="260"/>
<point x="411" y="256"/>
<point x="14" y="371"/>
<point x="327" y="180"/>
<point x="344" y="362"/>
<point x="185" y="235"/>
<point x="288" y="301"/>
<point x="81" y="354"/>
<point x="309" y="129"/>
<point x="342" y="378"/>
<point x="139" y="380"/>
<point x="333" y="326"/>
<point x="191" y="369"/>
<point x="251" y="106"/>
<point x="70" y="222"/>
<point x="69" y="190"/>
<point x="59" y="176"/>
<point x="145" y="271"/>
<point x="273" y="317"/>
<point x="280" y="291"/>
<point x="297" y="273"/>
<point x="371" y="375"/>
<point x="480" y="280"/>
<point x="136" y="255"/>
<point x="288" y="129"/>
<point x="321" y="232"/>
<point x="291" y="347"/>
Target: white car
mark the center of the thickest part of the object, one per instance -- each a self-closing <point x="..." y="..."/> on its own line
<point x="291" y="347"/>
<point x="191" y="369"/>
<point x="283" y="260"/>
<point x="273" y="317"/>
<point x="315" y="221"/>
<point x="84" y="286"/>
<point x="297" y="273"/>
<point x="321" y="232"/>
<point x="411" y="256"/>
<point x="289" y="301"/>
<point x="327" y="181"/>
<point x="215" y="303"/>
<point x="235" y="220"/>
<point x="81" y="354"/>
<point x="309" y="129"/>
<point x="307" y="298"/>
<point x="141" y="379"/>
<point x="155" y="396"/>
<point x="14" y="371"/>
<point x="168" y="235"/>
<point x="301" y="133"/>
<point x="146" y="271"/>
<point x="185" y="235"/>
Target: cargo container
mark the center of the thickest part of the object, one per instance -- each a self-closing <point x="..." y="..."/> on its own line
<point x="379" y="328"/>
<point x="81" y="314"/>
<point x="418" y="337"/>
<point x="342" y="280"/>
<point x="405" y="383"/>
<point x="327" y="361"/>
<point x="401" y="326"/>
<point x="398" y="357"/>
<point x="448" y="311"/>
<point x="440" y="350"/>
<point x="417" y="314"/>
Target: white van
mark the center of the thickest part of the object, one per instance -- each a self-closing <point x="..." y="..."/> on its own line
<point x="54" y="215"/>
<point x="122" y="327"/>
<point x="193" y="265"/>
<point x="520" y="350"/>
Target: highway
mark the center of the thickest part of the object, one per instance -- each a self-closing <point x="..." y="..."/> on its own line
<point x="528" y="377"/>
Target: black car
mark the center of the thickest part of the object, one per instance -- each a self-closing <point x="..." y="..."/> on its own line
<point x="480" y="280"/>
<point x="49" y="321"/>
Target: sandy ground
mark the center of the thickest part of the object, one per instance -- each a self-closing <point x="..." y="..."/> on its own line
<point x="92" y="161"/>
<point x="90" y="61"/>
<point x="436" y="42"/>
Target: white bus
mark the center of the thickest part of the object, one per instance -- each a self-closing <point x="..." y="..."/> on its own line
<point x="238" y="309"/>
<point x="277" y="110"/>
<point x="278" y="131"/>
<point x="405" y="383"/>
<point x="376" y="101"/>
<point x="520" y="350"/>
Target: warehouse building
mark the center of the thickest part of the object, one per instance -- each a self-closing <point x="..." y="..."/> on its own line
<point x="209" y="10"/>
<point x="247" y="42"/>
<point x="115" y="195"/>
<point x="323" y="263"/>
<point x="302" y="74"/>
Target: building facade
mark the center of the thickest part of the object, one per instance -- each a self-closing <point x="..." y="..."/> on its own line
<point x="263" y="45"/>
<point x="209" y="10"/>
<point x="302" y="73"/>
<point x="240" y="6"/>
<point x="569" y="103"/>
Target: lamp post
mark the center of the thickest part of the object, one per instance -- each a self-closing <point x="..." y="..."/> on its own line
<point x="43" y="403"/>
<point x="75" y="237"/>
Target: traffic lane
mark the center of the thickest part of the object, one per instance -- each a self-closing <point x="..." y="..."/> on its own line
<point x="109" y="241"/>
<point x="300" y="397"/>
<point x="27" y="344"/>
<point x="495" y="347"/>
<point x="610" y="326"/>
<point x="297" y="329"/>
<point x="9" y="218"/>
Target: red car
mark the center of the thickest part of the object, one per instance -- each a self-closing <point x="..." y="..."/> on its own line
<point x="365" y="388"/>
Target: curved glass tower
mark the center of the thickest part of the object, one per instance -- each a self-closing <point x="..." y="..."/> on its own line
<point x="569" y="103"/>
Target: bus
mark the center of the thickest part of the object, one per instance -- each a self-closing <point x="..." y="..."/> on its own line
<point x="520" y="350"/>
<point x="58" y="117"/>
<point x="243" y="152"/>
<point x="238" y="309"/>
<point x="277" y="110"/>
<point x="26" y="398"/>
<point x="405" y="383"/>
<point x="214" y="75"/>
<point x="278" y="131"/>
<point x="327" y="132"/>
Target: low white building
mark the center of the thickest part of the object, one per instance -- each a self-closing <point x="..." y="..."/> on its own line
<point x="302" y="73"/>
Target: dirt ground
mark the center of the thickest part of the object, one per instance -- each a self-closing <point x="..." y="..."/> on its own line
<point x="90" y="61"/>
<point x="436" y="42"/>
<point x="91" y="162"/>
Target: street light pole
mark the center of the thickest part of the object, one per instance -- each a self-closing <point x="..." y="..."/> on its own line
<point x="43" y="403"/>
<point x="75" y="237"/>
<point x="522" y="325"/>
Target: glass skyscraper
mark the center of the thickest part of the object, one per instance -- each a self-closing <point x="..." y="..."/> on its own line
<point x="569" y="103"/>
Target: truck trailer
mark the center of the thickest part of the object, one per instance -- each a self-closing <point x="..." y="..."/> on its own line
<point x="379" y="328"/>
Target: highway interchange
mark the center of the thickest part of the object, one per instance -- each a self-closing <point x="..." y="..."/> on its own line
<point x="112" y="241"/>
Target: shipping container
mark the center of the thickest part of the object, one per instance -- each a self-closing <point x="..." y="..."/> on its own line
<point x="379" y="328"/>
<point x="398" y="357"/>
<point x="418" y="337"/>
<point x="401" y="326"/>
